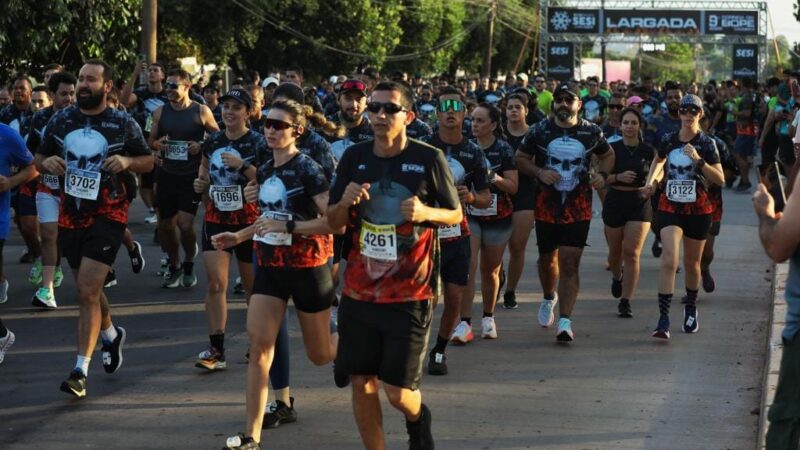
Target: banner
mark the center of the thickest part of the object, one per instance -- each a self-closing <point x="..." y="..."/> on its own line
<point x="561" y="60"/>
<point x="745" y="61"/>
<point x="568" y="20"/>
<point x="732" y="22"/>
<point x="651" y="21"/>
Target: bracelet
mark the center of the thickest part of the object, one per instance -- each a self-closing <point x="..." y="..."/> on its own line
<point x="290" y="226"/>
<point x="700" y="164"/>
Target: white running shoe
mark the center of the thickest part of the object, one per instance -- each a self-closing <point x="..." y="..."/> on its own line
<point x="463" y="334"/>
<point x="5" y="344"/>
<point x="546" y="315"/>
<point x="488" y="328"/>
<point x="564" y="330"/>
<point x="151" y="219"/>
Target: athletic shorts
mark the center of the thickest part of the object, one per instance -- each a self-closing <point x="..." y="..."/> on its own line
<point x="149" y="178"/>
<point x="786" y="150"/>
<point x="387" y="340"/>
<point x="491" y="232"/>
<point x="525" y="198"/>
<point x="243" y="251"/>
<point x="745" y="146"/>
<point x="693" y="226"/>
<point x="25" y="205"/>
<point x="99" y="241"/>
<point x="5" y="226"/>
<point x="784" y="414"/>
<point x="47" y="207"/>
<point x="455" y="261"/>
<point x="714" y="229"/>
<point x="622" y="207"/>
<point x="176" y="193"/>
<point x="310" y="288"/>
<point x="551" y="236"/>
<point x="342" y="243"/>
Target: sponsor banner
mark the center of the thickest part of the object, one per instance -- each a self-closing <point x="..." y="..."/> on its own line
<point x="561" y="60"/>
<point x="732" y="22"/>
<point x="569" y="20"/>
<point x="652" y="21"/>
<point x="745" y="61"/>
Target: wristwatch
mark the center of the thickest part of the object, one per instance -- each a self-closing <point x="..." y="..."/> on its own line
<point x="290" y="226"/>
<point x="245" y="166"/>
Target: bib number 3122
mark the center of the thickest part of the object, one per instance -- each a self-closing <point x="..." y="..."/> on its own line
<point x="682" y="191"/>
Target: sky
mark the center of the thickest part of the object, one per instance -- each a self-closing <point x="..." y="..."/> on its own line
<point x="783" y="19"/>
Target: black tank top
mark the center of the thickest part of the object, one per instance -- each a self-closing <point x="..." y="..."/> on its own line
<point x="181" y="127"/>
<point x="637" y="159"/>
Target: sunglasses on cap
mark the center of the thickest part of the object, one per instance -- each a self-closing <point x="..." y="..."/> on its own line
<point x="171" y="85"/>
<point x="693" y="110"/>
<point x="390" y="108"/>
<point x="450" y="104"/>
<point x="277" y="125"/>
<point x="353" y="85"/>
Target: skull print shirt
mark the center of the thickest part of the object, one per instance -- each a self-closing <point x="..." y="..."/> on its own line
<point x="85" y="142"/>
<point x="46" y="183"/>
<point x="679" y="167"/>
<point x="314" y="145"/>
<point x="290" y="190"/>
<point x="499" y="159"/>
<point x="223" y="178"/>
<point x="14" y="117"/>
<point x="359" y="133"/>
<point x="146" y="104"/>
<point x="565" y="151"/>
<point x="467" y="163"/>
<point x="419" y="170"/>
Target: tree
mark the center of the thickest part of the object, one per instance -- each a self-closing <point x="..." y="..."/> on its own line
<point x="774" y="69"/>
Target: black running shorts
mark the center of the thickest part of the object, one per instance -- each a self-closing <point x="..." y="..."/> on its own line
<point x="622" y="207"/>
<point x="551" y="236"/>
<point x="693" y="226"/>
<point x="176" y="193"/>
<point x="100" y="241"/>
<point x="455" y="261"/>
<point x="310" y="288"/>
<point x="243" y="251"/>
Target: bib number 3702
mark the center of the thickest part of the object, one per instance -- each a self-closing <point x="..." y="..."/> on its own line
<point x="682" y="191"/>
<point x="83" y="184"/>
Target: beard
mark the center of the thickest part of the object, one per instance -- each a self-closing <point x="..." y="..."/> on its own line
<point x="564" y="114"/>
<point x="673" y="108"/>
<point x="92" y="101"/>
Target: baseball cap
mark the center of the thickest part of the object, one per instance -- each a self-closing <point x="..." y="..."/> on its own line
<point x="353" y="85"/>
<point x="522" y="76"/>
<point x="240" y="95"/>
<point x="634" y="100"/>
<point x="269" y="80"/>
<point x="566" y="89"/>
<point x="692" y="100"/>
<point x="290" y="91"/>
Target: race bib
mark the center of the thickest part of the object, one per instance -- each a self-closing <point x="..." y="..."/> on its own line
<point x="490" y="210"/>
<point x="226" y="198"/>
<point x="51" y="181"/>
<point x="176" y="150"/>
<point x="378" y="241"/>
<point x="682" y="191"/>
<point x="83" y="184"/>
<point x="148" y="124"/>
<point x="450" y="231"/>
<point x="275" y="238"/>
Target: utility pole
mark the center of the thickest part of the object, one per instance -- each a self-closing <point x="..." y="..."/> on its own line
<point x="487" y="59"/>
<point x="149" y="16"/>
<point x="603" y="40"/>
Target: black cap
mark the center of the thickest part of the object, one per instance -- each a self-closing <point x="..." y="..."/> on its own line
<point x="692" y="100"/>
<point x="240" y="95"/>
<point x="566" y="89"/>
<point x="290" y="91"/>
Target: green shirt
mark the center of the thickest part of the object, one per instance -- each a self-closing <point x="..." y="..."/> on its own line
<point x="545" y="100"/>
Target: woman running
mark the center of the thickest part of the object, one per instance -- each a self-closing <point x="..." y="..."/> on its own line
<point x="684" y="208"/>
<point x="626" y="209"/>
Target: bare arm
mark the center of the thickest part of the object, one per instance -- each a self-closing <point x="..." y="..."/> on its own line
<point x="509" y="182"/>
<point x="153" y="140"/>
<point x="208" y="119"/>
<point x="24" y="175"/>
<point x="127" y="97"/>
<point x="780" y="236"/>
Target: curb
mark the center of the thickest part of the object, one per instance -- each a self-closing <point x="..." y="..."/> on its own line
<point x="777" y="321"/>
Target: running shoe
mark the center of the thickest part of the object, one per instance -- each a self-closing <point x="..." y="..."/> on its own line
<point x="75" y="384"/>
<point x="463" y="334"/>
<point x="58" y="277"/>
<point x="4" y="291"/>
<point x="112" y="351"/>
<point x="44" y="298"/>
<point x="137" y="259"/>
<point x="656" y="248"/>
<point x="419" y="432"/>
<point x="546" y="315"/>
<point x="662" y="329"/>
<point x="26" y="257"/>
<point x="35" y="274"/>
<point x="152" y="218"/>
<point x="488" y="328"/>
<point x="564" y="330"/>
<point x="238" y="288"/>
<point x="211" y="360"/>
<point x="172" y="278"/>
<point x="616" y="287"/>
<point x="510" y="300"/>
<point x="241" y="442"/>
<point x="437" y="363"/>
<point x="164" y="265"/>
<point x="189" y="279"/>
<point x="709" y="285"/>
<point x="111" y="279"/>
<point x="502" y="282"/>
<point x="624" y="309"/>
<point x="6" y="343"/>
<point x="690" y="324"/>
<point x="279" y="413"/>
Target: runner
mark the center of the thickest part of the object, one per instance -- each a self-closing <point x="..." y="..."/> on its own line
<point x="94" y="146"/>
<point x="396" y="191"/>
<point x="684" y="208"/>
<point x="594" y="104"/>
<point x="557" y="152"/>
<point x="544" y="97"/>
<point x="211" y="95"/>
<point x="626" y="210"/>
<point x="715" y="195"/>
<point x="292" y="249"/>
<point x="468" y="166"/>
<point x="177" y="132"/>
<point x="48" y="193"/>
<point x="611" y="129"/>
<point x="5" y="97"/>
<point x="490" y="227"/>
<point x="744" y="148"/>
<point x="39" y="98"/>
<point x="522" y="218"/>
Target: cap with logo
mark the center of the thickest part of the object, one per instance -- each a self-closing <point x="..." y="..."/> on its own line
<point x="566" y="88"/>
<point x="353" y="85"/>
<point x="268" y="81"/>
<point x="239" y="95"/>
<point x="692" y="100"/>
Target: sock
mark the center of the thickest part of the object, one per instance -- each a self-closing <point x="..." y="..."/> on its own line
<point x="467" y="319"/>
<point x="108" y="335"/>
<point x="82" y="364"/>
<point x="173" y="269"/>
<point x="218" y="341"/>
<point x="624" y="300"/>
<point x="691" y="296"/>
<point x="550" y="296"/>
<point x="510" y="293"/>
<point x="188" y="267"/>
<point x="664" y="301"/>
<point x="441" y="344"/>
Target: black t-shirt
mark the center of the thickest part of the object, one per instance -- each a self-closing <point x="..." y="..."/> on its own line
<point x="360" y="133"/>
<point x="35" y="132"/>
<point x="594" y="107"/>
<point x="314" y="145"/>
<point x="636" y="158"/>
<point x="418" y="129"/>
<point x="419" y="170"/>
<point x="15" y="118"/>
<point x="500" y="158"/>
<point x="679" y="167"/>
<point x="146" y="104"/>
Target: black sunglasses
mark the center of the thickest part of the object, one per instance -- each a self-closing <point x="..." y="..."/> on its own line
<point x="171" y="85"/>
<point x="390" y="108"/>
<point x="564" y="99"/>
<point x="693" y="110"/>
<point x="278" y="125"/>
<point x="614" y="106"/>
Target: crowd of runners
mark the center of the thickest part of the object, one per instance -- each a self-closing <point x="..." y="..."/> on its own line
<point x="407" y="189"/>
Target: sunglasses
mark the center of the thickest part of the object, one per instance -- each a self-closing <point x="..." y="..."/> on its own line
<point x="351" y="85"/>
<point x="614" y="106"/>
<point x="277" y="125"/>
<point x="564" y="99"/>
<point x="538" y="81"/>
<point x="171" y="85"/>
<point x="693" y="110"/>
<point x="390" y="108"/>
<point x="450" y="104"/>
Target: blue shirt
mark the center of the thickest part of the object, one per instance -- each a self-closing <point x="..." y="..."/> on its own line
<point x="13" y="152"/>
